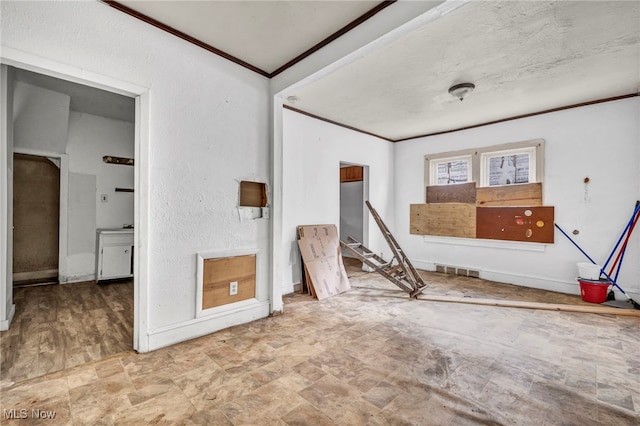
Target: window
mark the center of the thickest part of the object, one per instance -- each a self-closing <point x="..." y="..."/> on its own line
<point x="508" y="167"/>
<point x="451" y="170"/>
<point x="507" y="164"/>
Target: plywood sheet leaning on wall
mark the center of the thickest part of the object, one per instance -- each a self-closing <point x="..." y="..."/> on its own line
<point x="322" y="260"/>
<point x="532" y="224"/>
<point x="458" y="193"/>
<point x="446" y="219"/>
<point x="528" y="194"/>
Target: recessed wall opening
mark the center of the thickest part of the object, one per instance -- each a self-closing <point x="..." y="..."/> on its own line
<point x="253" y="194"/>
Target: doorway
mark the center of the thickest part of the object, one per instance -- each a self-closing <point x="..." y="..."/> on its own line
<point x="353" y="194"/>
<point x="36" y="218"/>
<point x="78" y="321"/>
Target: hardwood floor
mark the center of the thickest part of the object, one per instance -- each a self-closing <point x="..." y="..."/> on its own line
<point x="62" y="326"/>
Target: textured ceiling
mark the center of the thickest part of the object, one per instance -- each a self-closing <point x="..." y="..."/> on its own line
<point x="523" y="57"/>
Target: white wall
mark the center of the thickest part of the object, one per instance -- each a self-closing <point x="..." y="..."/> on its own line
<point x="208" y="128"/>
<point x="312" y="152"/>
<point x="90" y="138"/>
<point x="40" y="118"/>
<point x="599" y="141"/>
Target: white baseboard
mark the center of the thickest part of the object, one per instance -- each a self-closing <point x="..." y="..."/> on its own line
<point x="532" y="281"/>
<point x="187" y="330"/>
<point x="290" y="288"/>
<point x="76" y="279"/>
<point x="5" y="324"/>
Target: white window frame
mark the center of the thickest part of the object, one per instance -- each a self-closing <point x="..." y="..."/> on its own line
<point x="486" y="157"/>
<point x="479" y="170"/>
<point x="433" y="170"/>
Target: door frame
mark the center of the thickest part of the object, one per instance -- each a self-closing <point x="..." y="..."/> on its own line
<point x="18" y="59"/>
<point x="64" y="200"/>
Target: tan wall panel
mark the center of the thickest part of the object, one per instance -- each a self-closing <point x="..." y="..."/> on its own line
<point x="446" y="220"/>
<point x="529" y="194"/>
<point x="219" y="272"/>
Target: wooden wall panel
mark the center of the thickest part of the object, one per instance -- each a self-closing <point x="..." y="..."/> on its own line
<point x="458" y="193"/>
<point x="446" y="219"/>
<point x="532" y="224"/>
<point x="219" y="272"/>
<point x="253" y="194"/>
<point x="351" y="174"/>
<point x="529" y="194"/>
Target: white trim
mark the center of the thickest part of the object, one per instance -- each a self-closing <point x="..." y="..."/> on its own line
<point x="243" y="312"/>
<point x="63" y="220"/>
<point x="7" y="308"/>
<point x="478" y="242"/>
<point x="200" y="258"/>
<point x="532" y="281"/>
<point x="141" y="208"/>
<point x="278" y="259"/>
<point x="27" y="61"/>
<point x="6" y="323"/>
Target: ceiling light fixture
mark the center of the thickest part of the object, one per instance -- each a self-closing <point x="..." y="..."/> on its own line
<point x="461" y="90"/>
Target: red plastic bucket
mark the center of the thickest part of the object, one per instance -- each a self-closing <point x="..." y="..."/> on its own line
<point x="594" y="291"/>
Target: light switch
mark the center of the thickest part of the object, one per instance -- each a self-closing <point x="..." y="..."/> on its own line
<point x="104" y="198"/>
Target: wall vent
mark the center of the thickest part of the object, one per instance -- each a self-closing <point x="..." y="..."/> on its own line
<point x="456" y="270"/>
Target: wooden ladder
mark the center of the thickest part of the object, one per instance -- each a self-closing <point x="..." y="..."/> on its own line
<point x="398" y="270"/>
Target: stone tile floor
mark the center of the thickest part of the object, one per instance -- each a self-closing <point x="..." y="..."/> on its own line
<point x="369" y="356"/>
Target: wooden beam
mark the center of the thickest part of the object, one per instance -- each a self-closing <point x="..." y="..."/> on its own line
<point x="596" y="309"/>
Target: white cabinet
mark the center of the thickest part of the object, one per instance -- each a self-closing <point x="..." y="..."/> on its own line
<point x="114" y="254"/>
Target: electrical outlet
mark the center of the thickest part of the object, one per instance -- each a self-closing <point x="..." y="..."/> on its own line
<point x="233" y="288"/>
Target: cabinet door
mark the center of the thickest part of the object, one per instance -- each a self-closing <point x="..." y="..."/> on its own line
<point x="116" y="261"/>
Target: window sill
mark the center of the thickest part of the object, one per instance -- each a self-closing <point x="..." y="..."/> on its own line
<point x="476" y="242"/>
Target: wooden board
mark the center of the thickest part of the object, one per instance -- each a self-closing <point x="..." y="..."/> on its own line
<point x="351" y="174"/>
<point x="528" y="194"/>
<point x="595" y="309"/>
<point x="323" y="269"/>
<point x="446" y="219"/>
<point x="531" y="224"/>
<point x="458" y="193"/>
<point x="219" y="272"/>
